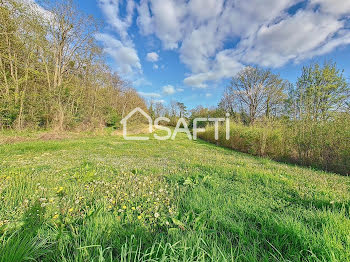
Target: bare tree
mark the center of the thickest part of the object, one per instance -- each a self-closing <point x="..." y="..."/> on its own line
<point x="71" y="34"/>
<point x="52" y="73"/>
<point x="227" y="102"/>
<point x="255" y="91"/>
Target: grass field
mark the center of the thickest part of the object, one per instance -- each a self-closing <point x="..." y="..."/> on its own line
<point x="105" y="199"/>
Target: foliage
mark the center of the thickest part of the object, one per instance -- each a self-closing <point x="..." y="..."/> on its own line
<point x="202" y="112"/>
<point x="53" y="74"/>
<point x="310" y="125"/>
<point x="319" y="92"/>
<point x="324" y="145"/>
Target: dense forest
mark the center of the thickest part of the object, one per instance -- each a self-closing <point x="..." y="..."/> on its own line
<point x="52" y="72"/>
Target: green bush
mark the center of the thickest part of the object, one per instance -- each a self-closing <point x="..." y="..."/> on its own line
<point x="324" y="144"/>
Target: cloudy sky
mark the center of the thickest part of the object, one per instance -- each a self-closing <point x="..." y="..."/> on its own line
<point x="187" y="50"/>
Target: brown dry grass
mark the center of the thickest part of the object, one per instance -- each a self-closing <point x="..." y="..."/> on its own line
<point x="133" y="130"/>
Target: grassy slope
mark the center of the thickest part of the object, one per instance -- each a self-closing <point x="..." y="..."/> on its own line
<point x="228" y="205"/>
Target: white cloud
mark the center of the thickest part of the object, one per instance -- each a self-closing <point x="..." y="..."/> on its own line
<point x="164" y="20"/>
<point x="291" y="38"/>
<point x="140" y="81"/>
<point x="336" y="7"/>
<point x="125" y="57"/>
<point x="162" y="101"/>
<point x="203" y="10"/>
<point x="169" y="90"/>
<point x="149" y="95"/>
<point x="119" y="15"/>
<point x="155" y="66"/>
<point x="38" y="9"/>
<point x="152" y="57"/>
<point x="225" y="65"/>
<point x="111" y="9"/>
<point x="216" y="38"/>
<point x="342" y="39"/>
<point x="199" y="46"/>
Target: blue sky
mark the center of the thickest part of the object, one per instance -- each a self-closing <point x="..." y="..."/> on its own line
<point x="187" y="50"/>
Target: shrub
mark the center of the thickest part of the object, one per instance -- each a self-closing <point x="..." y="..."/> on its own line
<point x="324" y="144"/>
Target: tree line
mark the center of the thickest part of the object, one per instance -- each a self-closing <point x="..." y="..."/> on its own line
<point x="53" y="74"/>
<point x="255" y="94"/>
<point x="306" y="123"/>
<point x="320" y="93"/>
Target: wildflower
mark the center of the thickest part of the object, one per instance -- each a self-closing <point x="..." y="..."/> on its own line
<point x="133" y="208"/>
<point x="156" y="215"/>
<point x="60" y="189"/>
<point x="139" y="217"/>
<point x="124" y="207"/>
<point x="109" y="207"/>
<point x="55" y="216"/>
<point x="70" y="210"/>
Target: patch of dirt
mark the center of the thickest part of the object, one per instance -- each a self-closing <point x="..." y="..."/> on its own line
<point x="38" y="137"/>
<point x="54" y="136"/>
<point x="133" y="130"/>
<point x="12" y="140"/>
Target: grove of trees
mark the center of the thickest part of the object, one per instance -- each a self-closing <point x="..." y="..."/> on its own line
<point x="307" y="122"/>
<point x="52" y="72"/>
<point x="320" y="93"/>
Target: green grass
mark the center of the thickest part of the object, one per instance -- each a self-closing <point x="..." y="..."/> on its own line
<point x="106" y="199"/>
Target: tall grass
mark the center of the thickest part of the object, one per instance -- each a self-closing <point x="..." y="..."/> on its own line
<point x="324" y="145"/>
<point x="64" y="201"/>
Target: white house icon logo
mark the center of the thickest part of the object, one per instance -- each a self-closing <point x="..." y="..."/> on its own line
<point x="125" y="120"/>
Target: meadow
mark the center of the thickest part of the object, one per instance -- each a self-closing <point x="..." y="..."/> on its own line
<point x="101" y="198"/>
